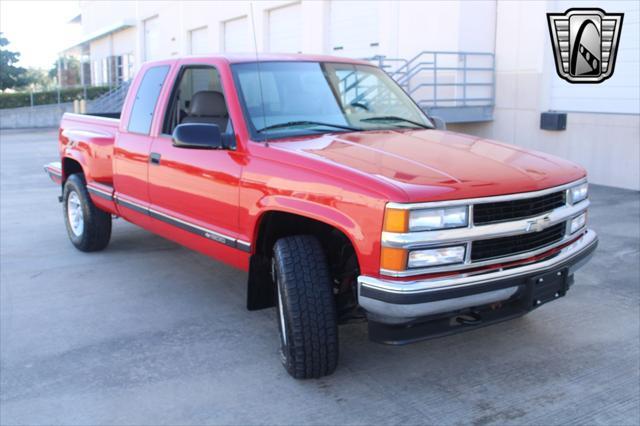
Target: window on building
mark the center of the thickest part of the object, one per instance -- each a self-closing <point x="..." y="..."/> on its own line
<point x="95" y="73"/>
<point x="146" y="99"/>
<point x="127" y="66"/>
<point x="105" y="70"/>
<point x="119" y="68"/>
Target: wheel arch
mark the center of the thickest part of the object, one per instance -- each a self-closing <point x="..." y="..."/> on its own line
<point x="273" y="224"/>
<point x="71" y="165"/>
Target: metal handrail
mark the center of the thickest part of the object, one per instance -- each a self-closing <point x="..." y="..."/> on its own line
<point x="430" y="65"/>
<point x="440" y="52"/>
<point x="112" y="100"/>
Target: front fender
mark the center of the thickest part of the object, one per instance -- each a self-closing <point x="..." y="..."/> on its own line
<point x="361" y="232"/>
<point x="321" y="213"/>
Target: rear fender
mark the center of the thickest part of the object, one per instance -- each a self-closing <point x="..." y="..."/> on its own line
<point x="54" y="170"/>
<point x="78" y="157"/>
<point x="93" y="150"/>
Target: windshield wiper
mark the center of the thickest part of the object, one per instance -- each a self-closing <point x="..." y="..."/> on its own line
<point x="308" y="123"/>
<point x="395" y="118"/>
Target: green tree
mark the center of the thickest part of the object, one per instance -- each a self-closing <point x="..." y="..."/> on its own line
<point x="39" y="79"/>
<point x="11" y="76"/>
<point x="69" y="71"/>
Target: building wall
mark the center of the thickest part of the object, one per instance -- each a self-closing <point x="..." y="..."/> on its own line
<point x="97" y="15"/>
<point x="402" y="28"/>
<point x="605" y="143"/>
<point x="526" y="82"/>
<point x="122" y="43"/>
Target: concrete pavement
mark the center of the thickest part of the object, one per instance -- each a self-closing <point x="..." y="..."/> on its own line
<point x="147" y="332"/>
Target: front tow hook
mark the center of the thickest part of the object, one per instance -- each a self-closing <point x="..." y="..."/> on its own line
<point x="471" y="318"/>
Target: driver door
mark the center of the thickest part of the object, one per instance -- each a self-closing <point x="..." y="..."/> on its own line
<point x="196" y="191"/>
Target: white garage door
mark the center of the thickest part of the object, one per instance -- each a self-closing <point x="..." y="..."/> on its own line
<point x="236" y="35"/>
<point x="152" y="45"/>
<point x="285" y="29"/>
<point x="353" y="29"/>
<point x="199" y="41"/>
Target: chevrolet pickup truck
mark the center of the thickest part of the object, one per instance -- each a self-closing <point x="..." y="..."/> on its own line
<point x="340" y="197"/>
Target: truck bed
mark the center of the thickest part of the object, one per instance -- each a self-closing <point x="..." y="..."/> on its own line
<point x="115" y="115"/>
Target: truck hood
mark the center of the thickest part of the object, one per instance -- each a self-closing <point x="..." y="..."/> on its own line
<point x="431" y="165"/>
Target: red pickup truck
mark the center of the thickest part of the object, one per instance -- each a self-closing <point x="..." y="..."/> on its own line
<point x="342" y="199"/>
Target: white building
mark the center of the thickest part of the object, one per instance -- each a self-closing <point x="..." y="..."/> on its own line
<point x="603" y="121"/>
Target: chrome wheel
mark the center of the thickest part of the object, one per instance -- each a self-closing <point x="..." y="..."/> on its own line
<point x="74" y="214"/>
<point x="283" y="328"/>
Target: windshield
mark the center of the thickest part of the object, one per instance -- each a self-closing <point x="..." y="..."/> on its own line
<point x="302" y="98"/>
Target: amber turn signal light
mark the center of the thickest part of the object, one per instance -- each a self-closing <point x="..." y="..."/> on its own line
<point x="393" y="259"/>
<point x="396" y="220"/>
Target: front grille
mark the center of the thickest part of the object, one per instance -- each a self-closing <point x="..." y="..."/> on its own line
<point x="508" y="246"/>
<point x="516" y="209"/>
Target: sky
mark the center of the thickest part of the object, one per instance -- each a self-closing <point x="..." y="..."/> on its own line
<point x="38" y="29"/>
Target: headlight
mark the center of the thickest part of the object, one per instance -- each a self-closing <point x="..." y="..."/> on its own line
<point x="578" y="193"/>
<point x="436" y="256"/>
<point x="578" y="222"/>
<point x="439" y="218"/>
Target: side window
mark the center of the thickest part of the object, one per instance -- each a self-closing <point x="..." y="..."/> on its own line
<point x="146" y="99"/>
<point x="197" y="98"/>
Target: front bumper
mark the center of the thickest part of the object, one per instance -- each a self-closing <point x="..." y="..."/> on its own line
<point x="392" y="302"/>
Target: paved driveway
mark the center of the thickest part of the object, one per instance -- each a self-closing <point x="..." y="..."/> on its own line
<point x="147" y="332"/>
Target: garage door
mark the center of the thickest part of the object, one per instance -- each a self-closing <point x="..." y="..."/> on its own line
<point x="152" y="48"/>
<point x="199" y="41"/>
<point x="285" y="29"/>
<point x="236" y="33"/>
<point x="353" y="29"/>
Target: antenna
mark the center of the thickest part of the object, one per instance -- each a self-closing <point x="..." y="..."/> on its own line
<point x="255" y="47"/>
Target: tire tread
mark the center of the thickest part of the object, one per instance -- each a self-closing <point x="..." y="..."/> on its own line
<point x="309" y="305"/>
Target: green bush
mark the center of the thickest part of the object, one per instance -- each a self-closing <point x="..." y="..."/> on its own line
<point x="23" y="99"/>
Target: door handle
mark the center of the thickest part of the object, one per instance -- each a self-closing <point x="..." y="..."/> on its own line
<point x="154" y="158"/>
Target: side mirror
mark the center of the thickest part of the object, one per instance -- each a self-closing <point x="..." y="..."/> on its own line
<point x="438" y="123"/>
<point x="197" y="136"/>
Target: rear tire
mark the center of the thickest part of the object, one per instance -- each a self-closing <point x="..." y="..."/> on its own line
<point x="305" y="307"/>
<point x="89" y="228"/>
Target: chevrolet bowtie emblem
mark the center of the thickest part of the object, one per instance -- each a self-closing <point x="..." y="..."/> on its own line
<point x="585" y="43"/>
<point x="539" y="224"/>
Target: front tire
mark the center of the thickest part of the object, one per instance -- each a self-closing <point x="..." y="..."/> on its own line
<point x="89" y="228"/>
<point x="305" y="308"/>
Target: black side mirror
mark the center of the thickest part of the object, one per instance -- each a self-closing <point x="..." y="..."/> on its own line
<point x="438" y="123"/>
<point x="197" y="136"/>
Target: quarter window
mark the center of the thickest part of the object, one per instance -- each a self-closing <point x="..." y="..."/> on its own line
<point x="146" y="99"/>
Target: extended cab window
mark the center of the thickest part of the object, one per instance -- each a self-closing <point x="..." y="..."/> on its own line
<point x="197" y="98"/>
<point x="146" y="99"/>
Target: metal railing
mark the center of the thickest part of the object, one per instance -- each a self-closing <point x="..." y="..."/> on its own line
<point x="440" y="80"/>
<point x="110" y="101"/>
